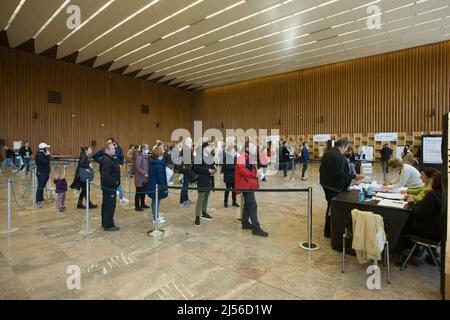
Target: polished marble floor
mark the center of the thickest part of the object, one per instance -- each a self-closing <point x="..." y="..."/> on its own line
<point x="216" y="261"/>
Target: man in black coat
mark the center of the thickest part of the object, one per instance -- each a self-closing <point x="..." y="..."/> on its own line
<point x="229" y="170"/>
<point x="42" y="172"/>
<point x="386" y="154"/>
<point x="110" y="180"/>
<point x="335" y="176"/>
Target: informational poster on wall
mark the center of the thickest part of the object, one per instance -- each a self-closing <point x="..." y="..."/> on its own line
<point x="386" y="136"/>
<point x="367" y="151"/>
<point x="17" y="145"/>
<point x="431" y="149"/>
<point x="321" y="137"/>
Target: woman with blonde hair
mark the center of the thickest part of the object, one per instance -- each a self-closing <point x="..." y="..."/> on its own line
<point x="409" y="176"/>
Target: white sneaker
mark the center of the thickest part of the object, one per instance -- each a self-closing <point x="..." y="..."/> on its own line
<point x="160" y="221"/>
<point x="170" y="183"/>
<point x="124" y="201"/>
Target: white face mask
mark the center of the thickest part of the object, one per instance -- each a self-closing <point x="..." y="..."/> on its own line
<point x="252" y="149"/>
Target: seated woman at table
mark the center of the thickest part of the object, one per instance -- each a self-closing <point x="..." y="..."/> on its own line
<point x="409" y="176"/>
<point x="425" y="220"/>
<point x="417" y="194"/>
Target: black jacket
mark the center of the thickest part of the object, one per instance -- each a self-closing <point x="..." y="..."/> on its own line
<point x="229" y="167"/>
<point x="334" y="171"/>
<point x="9" y="154"/>
<point x="23" y="151"/>
<point x="109" y="172"/>
<point x="42" y="162"/>
<point x="426" y="216"/>
<point x="204" y="177"/>
<point x="386" y="154"/>
<point x="284" y="157"/>
<point x="83" y="162"/>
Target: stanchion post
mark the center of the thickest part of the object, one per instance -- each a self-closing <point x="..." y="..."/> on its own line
<point x="33" y="185"/>
<point x="156" y="232"/>
<point x="88" y="229"/>
<point x="309" y="245"/>
<point x="10" y="229"/>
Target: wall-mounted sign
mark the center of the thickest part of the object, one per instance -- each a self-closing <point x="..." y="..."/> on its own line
<point x="386" y="136"/>
<point x="321" y="137"/>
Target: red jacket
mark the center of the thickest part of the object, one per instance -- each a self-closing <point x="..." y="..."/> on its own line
<point x="244" y="178"/>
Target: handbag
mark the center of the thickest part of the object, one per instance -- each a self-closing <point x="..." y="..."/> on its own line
<point x="86" y="174"/>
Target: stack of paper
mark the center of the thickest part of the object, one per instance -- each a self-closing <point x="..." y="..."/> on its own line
<point x="392" y="203"/>
<point x="392" y="196"/>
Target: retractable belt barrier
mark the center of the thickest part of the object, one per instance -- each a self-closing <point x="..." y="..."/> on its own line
<point x="308" y="245"/>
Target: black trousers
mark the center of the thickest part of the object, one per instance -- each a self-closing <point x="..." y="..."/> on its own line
<point x="42" y="182"/>
<point x="82" y="193"/>
<point x="250" y="214"/>
<point x="329" y="195"/>
<point x="227" y="193"/>
<point x="108" y="208"/>
<point x="139" y="198"/>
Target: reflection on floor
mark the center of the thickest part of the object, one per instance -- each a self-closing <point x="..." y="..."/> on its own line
<point x="216" y="261"/>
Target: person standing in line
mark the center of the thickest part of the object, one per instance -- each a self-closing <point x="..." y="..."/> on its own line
<point x="306" y="158"/>
<point x="187" y="160"/>
<point x="386" y="154"/>
<point x="285" y="160"/>
<point x="25" y="153"/>
<point x="247" y="178"/>
<point x="60" y="189"/>
<point x="335" y="176"/>
<point x="141" y="175"/>
<point x="110" y="181"/>
<point x="157" y="176"/>
<point x="77" y="184"/>
<point x="229" y="170"/>
<point x="205" y="168"/>
<point x="120" y="158"/>
<point x="263" y="162"/>
<point x="292" y="159"/>
<point x="130" y="158"/>
<point x="42" y="172"/>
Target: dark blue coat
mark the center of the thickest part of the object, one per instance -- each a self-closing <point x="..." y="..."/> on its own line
<point x="305" y="155"/>
<point x="157" y="176"/>
<point x="229" y="167"/>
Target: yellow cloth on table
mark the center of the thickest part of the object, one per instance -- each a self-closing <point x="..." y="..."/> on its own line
<point x="369" y="236"/>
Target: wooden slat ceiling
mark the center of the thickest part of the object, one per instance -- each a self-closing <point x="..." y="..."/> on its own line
<point x="197" y="44"/>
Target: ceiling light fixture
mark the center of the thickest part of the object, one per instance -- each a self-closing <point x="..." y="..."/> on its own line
<point x="13" y="16"/>
<point x="51" y="18"/>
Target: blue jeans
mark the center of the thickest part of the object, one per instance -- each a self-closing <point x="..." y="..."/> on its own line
<point x="42" y="182"/>
<point x="184" y="196"/>
<point x="10" y="163"/>
<point x="121" y="194"/>
<point x="285" y="166"/>
<point x="26" y="164"/>
<point x="154" y="208"/>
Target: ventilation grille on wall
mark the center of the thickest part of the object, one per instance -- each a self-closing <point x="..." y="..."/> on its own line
<point x="145" y="109"/>
<point x="54" y="97"/>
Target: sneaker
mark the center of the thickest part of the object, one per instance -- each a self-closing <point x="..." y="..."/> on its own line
<point x="112" y="229"/>
<point x="189" y="202"/>
<point x="39" y="204"/>
<point x="206" y="217"/>
<point x="304" y="179"/>
<point x="260" y="233"/>
<point x="183" y="205"/>
<point x="93" y="206"/>
<point x="145" y="206"/>
<point x="81" y="206"/>
<point x="197" y="221"/>
<point x="236" y="205"/>
<point x="139" y="209"/>
<point x="124" y="200"/>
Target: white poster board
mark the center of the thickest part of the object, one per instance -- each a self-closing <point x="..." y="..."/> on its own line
<point x="321" y="137"/>
<point x="367" y="151"/>
<point x="366" y="168"/>
<point x="17" y="145"/>
<point x="386" y="136"/>
<point x="431" y="150"/>
<point x="399" y="152"/>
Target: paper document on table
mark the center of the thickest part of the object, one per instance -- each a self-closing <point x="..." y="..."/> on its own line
<point x="392" y="196"/>
<point x="392" y="203"/>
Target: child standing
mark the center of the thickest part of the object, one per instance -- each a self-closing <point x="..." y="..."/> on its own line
<point x="61" y="189"/>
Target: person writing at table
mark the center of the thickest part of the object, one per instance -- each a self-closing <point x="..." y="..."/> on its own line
<point x="335" y="176"/>
<point x="418" y="194"/>
<point x="409" y="176"/>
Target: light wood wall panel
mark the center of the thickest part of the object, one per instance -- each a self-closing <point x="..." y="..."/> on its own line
<point x="393" y="92"/>
<point x="96" y="97"/>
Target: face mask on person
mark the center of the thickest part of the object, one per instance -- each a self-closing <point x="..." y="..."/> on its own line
<point x="161" y="157"/>
<point x="146" y="152"/>
<point x="252" y="149"/>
